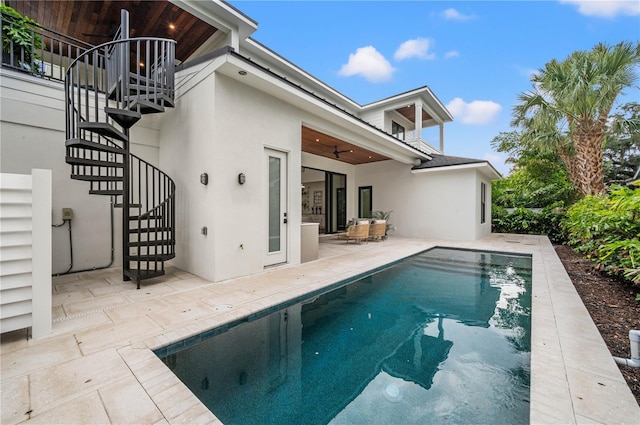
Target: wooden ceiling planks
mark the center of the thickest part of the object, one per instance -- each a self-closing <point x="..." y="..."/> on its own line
<point x="317" y="143"/>
<point x="94" y="21"/>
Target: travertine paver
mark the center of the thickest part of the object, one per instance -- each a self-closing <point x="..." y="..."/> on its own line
<point x="14" y="400"/>
<point x="98" y="367"/>
<point x="127" y="402"/>
<point x="35" y="357"/>
<point x="86" y="409"/>
<point x="56" y="385"/>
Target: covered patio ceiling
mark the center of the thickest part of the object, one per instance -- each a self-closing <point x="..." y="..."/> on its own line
<point x="95" y="22"/>
<point x="318" y="143"/>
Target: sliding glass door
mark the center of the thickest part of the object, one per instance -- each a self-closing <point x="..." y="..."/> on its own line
<point x="336" y="202"/>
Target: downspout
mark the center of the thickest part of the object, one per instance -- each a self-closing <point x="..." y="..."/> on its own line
<point x="634" y="361"/>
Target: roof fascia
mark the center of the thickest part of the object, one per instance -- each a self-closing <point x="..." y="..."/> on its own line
<point x="485" y="167"/>
<point x="431" y="103"/>
<point x="290" y="70"/>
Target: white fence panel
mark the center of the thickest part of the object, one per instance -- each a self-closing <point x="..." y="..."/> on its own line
<point x="25" y="252"/>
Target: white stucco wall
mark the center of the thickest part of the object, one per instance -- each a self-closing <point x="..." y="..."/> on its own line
<point x="222" y="127"/>
<point x="32" y="121"/>
<point x="442" y="205"/>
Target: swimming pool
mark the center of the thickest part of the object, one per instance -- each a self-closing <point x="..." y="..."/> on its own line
<point x="443" y="336"/>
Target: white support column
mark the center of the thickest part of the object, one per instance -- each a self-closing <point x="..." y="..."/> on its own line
<point x="418" y="121"/>
<point x="41" y="248"/>
<point x="442" y="138"/>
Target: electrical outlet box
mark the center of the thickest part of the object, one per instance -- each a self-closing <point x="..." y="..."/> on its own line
<point x="67" y="214"/>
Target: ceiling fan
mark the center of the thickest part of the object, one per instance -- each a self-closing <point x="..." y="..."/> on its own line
<point x="337" y="153"/>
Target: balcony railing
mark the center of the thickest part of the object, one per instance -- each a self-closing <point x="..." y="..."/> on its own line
<point x="47" y="54"/>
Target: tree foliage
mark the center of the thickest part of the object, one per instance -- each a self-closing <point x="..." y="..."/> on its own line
<point x="622" y="145"/>
<point x="568" y="109"/>
<point x="538" y="179"/>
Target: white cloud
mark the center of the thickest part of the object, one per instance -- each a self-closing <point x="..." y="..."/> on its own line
<point x="606" y="8"/>
<point x="418" y="48"/>
<point x="452" y="14"/>
<point x="526" y="72"/>
<point x="369" y="63"/>
<point x="475" y="112"/>
<point x="451" y="54"/>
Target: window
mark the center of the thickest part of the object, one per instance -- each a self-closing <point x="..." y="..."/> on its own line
<point x="483" y="203"/>
<point x="397" y="130"/>
<point x="365" y="201"/>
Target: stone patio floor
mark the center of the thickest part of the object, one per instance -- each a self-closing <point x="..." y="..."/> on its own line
<point x="97" y="366"/>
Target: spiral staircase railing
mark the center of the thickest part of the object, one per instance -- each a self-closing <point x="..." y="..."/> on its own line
<point x="107" y="91"/>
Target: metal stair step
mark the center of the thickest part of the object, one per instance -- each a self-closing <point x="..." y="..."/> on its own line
<point x="93" y="162"/>
<point x="165" y="242"/>
<point x="105" y="192"/>
<point x="86" y="144"/>
<point x="145" y="106"/>
<point x="125" y="117"/>
<point x="121" y="205"/>
<point x="104" y="129"/>
<point x="150" y="257"/>
<point x="145" y="230"/>
<point x="152" y="217"/>
<point x="89" y="178"/>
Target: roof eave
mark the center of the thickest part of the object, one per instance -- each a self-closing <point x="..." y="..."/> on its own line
<point x="484" y="166"/>
<point x="276" y="85"/>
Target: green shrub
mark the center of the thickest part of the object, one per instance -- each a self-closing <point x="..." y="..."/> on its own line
<point x="607" y="230"/>
<point x="527" y="221"/>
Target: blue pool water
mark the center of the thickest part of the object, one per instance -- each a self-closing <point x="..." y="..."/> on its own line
<point x="440" y="337"/>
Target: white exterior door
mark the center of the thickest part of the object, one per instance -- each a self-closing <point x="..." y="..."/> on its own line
<point x="276" y="178"/>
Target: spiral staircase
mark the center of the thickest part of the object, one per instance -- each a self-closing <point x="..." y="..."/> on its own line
<point x="107" y="91"/>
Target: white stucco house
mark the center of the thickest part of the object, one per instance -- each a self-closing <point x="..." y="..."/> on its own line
<point x="255" y="146"/>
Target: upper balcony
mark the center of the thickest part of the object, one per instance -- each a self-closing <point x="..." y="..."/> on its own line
<point x="60" y="31"/>
<point x="406" y="116"/>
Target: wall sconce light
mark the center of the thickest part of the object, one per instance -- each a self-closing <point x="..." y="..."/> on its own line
<point x="204" y="178"/>
<point x="242" y="178"/>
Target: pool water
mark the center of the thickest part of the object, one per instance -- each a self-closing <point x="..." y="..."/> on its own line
<point x="440" y="337"/>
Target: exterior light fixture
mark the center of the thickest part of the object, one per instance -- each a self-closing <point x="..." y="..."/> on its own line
<point x="204" y="178"/>
<point x="242" y="178"/>
<point x="242" y="72"/>
<point x="172" y="26"/>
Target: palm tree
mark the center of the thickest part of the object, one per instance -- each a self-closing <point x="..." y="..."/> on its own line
<point x="568" y="109"/>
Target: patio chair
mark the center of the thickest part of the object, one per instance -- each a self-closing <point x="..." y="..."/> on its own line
<point x="358" y="232"/>
<point x="378" y="230"/>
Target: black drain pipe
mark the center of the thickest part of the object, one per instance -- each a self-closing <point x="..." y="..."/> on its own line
<point x="69" y="271"/>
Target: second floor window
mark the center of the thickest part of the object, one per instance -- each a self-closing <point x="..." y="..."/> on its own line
<point x="397" y="130"/>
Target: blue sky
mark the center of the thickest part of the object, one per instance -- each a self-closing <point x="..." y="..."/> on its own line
<point x="476" y="56"/>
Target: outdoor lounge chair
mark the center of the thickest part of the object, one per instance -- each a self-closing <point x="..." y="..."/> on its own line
<point x="377" y="230"/>
<point x="358" y="232"/>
